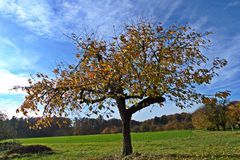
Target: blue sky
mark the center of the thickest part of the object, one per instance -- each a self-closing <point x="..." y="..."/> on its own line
<point x="32" y="40"/>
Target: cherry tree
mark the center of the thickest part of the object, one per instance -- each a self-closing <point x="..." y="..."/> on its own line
<point x="145" y="64"/>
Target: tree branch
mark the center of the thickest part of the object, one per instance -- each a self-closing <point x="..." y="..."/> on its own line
<point x="133" y="96"/>
<point x="93" y="100"/>
<point x="144" y="103"/>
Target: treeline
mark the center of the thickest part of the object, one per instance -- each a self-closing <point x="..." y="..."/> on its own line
<point x="19" y="127"/>
<point x="165" y="122"/>
<point x="217" y="117"/>
<point x="211" y="117"/>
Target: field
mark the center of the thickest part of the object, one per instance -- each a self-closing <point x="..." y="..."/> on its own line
<point x="184" y="144"/>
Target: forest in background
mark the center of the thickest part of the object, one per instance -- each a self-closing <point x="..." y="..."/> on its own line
<point x="209" y="117"/>
<point x="20" y="127"/>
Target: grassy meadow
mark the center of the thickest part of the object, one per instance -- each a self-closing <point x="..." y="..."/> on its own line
<point x="185" y="144"/>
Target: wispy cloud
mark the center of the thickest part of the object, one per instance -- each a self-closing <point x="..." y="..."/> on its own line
<point x="54" y="18"/>
<point x="223" y="46"/>
<point x="172" y="7"/>
<point x="47" y="19"/>
<point x="33" y="14"/>
<point x="199" y="23"/>
<point x="92" y="14"/>
<point x="233" y="3"/>
<point x="13" y="57"/>
<point x="228" y="78"/>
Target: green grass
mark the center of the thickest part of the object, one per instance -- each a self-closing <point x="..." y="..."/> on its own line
<point x="184" y="144"/>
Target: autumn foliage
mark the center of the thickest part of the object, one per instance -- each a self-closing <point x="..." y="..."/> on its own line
<point x="217" y="116"/>
<point x="143" y="65"/>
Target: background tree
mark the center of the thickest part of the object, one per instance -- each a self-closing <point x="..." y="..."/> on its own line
<point x="233" y="114"/>
<point x="144" y="65"/>
<point x="221" y="111"/>
<point x="200" y="119"/>
<point x="3" y="116"/>
<point x="4" y="128"/>
<point x="211" y="116"/>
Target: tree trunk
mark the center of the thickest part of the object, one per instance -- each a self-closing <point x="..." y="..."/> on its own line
<point x="218" y="128"/>
<point x="126" y="119"/>
<point x="126" y="115"/>
<point x="224" y="127"/>
<point x="127" y="144"/>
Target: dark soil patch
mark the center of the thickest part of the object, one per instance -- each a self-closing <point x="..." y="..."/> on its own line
<point x="31" y="149"/>
<point x="23" y="151"/>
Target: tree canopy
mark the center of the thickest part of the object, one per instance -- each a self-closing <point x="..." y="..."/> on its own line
<point x="233" y="113"/>
<point x="143" y="65"/>
<point x="217" y="116"/>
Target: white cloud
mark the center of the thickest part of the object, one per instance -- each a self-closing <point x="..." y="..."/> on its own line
<point x="11" y="99"/>
<point x="33" y="14"/>
<point x="8" y="80"/>
<point x="80" y="15"/>
<point x="66" y="16"/>
<point x="53" y="18"/>
<point x="9" y="105"/>
<point x="12" y="58"/>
